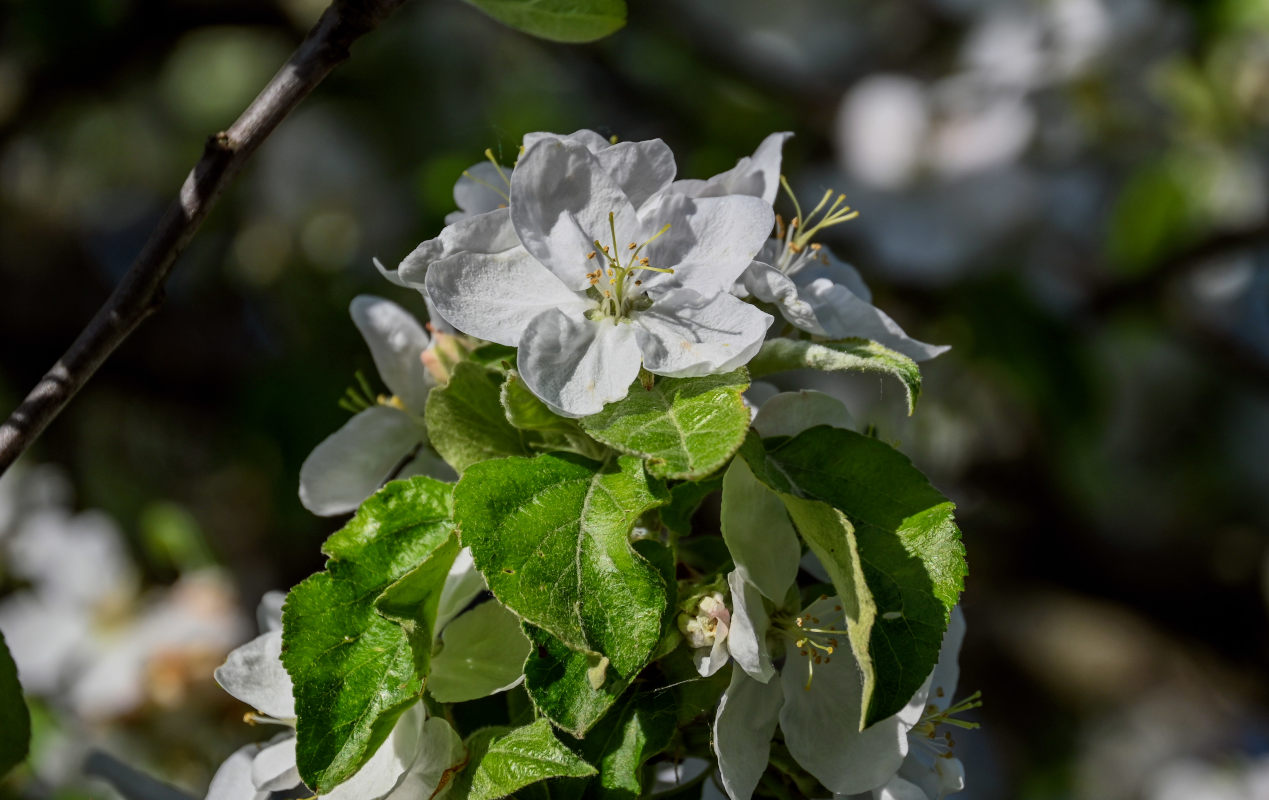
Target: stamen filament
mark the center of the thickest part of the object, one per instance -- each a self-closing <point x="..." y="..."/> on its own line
<point x="488" y="185"/>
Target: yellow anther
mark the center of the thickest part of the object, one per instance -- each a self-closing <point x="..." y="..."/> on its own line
<point x="591" y="254"/>
<point x="631" y="246"/>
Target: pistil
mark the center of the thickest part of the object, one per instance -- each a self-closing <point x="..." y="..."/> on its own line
<point x="797" y="235"/>
<point x="616" y="301"/>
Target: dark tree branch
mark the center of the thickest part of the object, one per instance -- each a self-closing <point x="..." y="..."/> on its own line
<point x="140" y="292"/>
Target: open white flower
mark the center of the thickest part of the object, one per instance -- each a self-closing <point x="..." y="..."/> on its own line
<point x="387" y="437"/>
<point x="931" y="770"/>
<point x="813" y="290"/>
<point x="476" y="653"/>
<point x="612" y="271"/>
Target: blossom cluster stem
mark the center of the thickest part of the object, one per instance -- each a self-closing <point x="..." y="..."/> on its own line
<point x="141" y="290"/>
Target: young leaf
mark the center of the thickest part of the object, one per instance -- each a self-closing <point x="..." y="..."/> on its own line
<point x="559" y="681"/>
<point x="871" y="516"/>
<point x="355" y="670"/>
<point x="15" y="719"/>
<point x="558" y="20"/>
<point x="641" y="726"/>
<point x="465" y="420"/>
<point x="501" y="763"/>
<point x="683" y="427"/>
<point x="551" y="536"/>
<point x="844" y="355"/>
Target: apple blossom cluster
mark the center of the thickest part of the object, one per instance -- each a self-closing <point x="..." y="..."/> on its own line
<point x="590" y="556"/>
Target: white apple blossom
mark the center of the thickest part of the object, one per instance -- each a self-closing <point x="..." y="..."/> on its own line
<point x="815" y="291"/>
<point x="611" y="271"/>
<point x="387" y="438"/>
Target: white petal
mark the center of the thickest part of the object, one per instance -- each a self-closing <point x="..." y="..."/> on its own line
<point x="462" y="584"/>
<point x="842" y="315"/>
<point x="396" y="341"/>
<point x="46" y="639"/>
<point x="790" y="413"/>
<point x="758" y="533"/>
<point x="587" y="138"/>
<point x="482" y="653"/>
<point x="440" y="751"/>
<point x="274" y="768"/>
<point x="232" y="780"/>
<point x="350" y="464"/>
<point x="711" y="660"/>
<point x="269" y="611"/>
<point x="494" y="296"/>
<point x="481" y="188"/>
<point x="772" y="286"/>
<point x="668" y="775"/>
<point x="899" y="789"/>
<point x="561" y="199"/>
<point x="392" y="276"/>
<point x="381" y="773"/>
<point x="757" y="175"/>
<point x="828" y="265"/>
<point x="743" y="728"/>
<point x="577" y="365"/>
<point x="749" y="623"/>
<point x="947" y="671"/>
<point x="821" y="723"/>
<point x="491" y="232"/>
<point x="685" y="334"/>
<point x="641" y="169"/>
<point x="428" y="463"/>
<point x="710" y="241"/>
<point x="254" y="674"/>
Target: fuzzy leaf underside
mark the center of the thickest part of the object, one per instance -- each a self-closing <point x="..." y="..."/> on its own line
<point x="869" y="514"/>
<point x="685" y="428"/>
<point x="558" y="20"/>
<point x="355" y="670"/>
<point x="551" y="536"/>
<point x="843" y="355"/>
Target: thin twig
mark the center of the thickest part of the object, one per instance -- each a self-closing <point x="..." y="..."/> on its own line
<point x="140" y="292"/>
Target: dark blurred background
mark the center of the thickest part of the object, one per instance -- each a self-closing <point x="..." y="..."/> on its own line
<point x="1072" y="193"/>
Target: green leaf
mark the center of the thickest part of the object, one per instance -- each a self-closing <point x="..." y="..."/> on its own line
<point x="872" y="516"/>
<point x="844" y="355"/>
<point x="354" y="669"/>
<point x="558" y="20"/>
<point x="683" y="427"/>
<point x="15" y="719"/>
<point x="641" y="726"/>
<point x="558" y="680"/>
<point x="465" y="420"/>
<point x="546" y="430"/>
<point x="502" y="762"/>
<point x="551" y="536"/>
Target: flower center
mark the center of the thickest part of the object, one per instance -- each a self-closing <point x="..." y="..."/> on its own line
<point x="797" y="248"/>
<point x="618" y="293"/>
<point x="815" y="641"/>
<point x="926" y="734"/>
